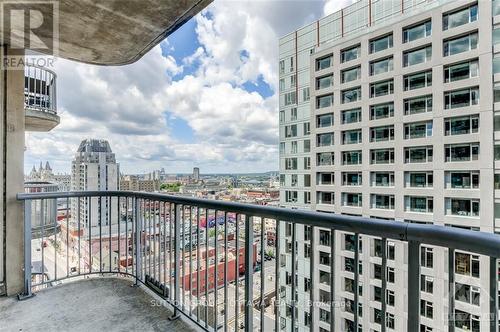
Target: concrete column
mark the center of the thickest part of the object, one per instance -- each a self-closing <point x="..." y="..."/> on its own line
<point x="12" y="170"/>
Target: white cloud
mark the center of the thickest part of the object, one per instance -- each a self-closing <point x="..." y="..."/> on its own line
<point x="235" y="130"/>
<point x="332" y="6"/>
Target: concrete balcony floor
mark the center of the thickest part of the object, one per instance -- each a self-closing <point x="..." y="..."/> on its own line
<point x="95" y="304"/>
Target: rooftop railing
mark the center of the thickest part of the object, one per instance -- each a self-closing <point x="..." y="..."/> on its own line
<point x="222" y="264"/>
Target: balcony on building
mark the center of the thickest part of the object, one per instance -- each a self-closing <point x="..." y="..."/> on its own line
<point x="40" y="104"/>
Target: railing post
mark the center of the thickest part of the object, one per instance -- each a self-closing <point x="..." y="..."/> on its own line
<point x="138" y="227"/>
<point x="27" y="252"/>
<point x="249" y="253"/>
<point x="177" y="259"/>
<point x="413" y="286"/>
<point x="493" y="295"/>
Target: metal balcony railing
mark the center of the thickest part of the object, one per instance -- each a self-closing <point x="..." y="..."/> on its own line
<point x="40" y="89"/>
<point x="222" y="264"/>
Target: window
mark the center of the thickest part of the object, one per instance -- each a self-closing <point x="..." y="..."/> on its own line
<point x="324" y="120"/>
<point x="351" y="116"/>
<point x="381" y="43"/>
<point x="496" y="92"/>
<point x="291" y="64"/>
<point x="418" y="80"/>
<point x="306" y="95"/>
<point x="467" y="293"/>
<point x="419" y="204"/>
<point x="324" y="101"/>
<point x="461" y="125"/>
<point x="307" y="128"/>
<point x="467" y="264"/>
<point x="349" y="54"/>
<point x="419" y="154"/>
<point x="326" y="198"/>
<point x="324" y="238"/>
<point x="307" y="145"/>
<point x="418" y="105"/>
<point x="382" y="179"/>
<point x="462" y="207"/>
<point x="282" y="116"/>
<point x="282" y="67"/>
<point x="385" y="202"/>
<point x="351" y="74"/>
<point x="417" y="31"/>
<point x="352" y="199"/>
<point x="461" y="98"/>
<point x="460" y="17"/>
<point x="293" y="81"/>
<point x="466" y="321"/>
<point x="381" y="88"/>
<point x="426" y="257"/>
<point x="381" y="66"/>
<point x="461" y="152"/>
<point x="496" y="64"/>
<point x="496" y="7"/>
<point x="351" y="136"/>
<point x="291" y="131"/>
<point x="293" y="114"/>
<point x="294" y="147"/>
<point x="382" y="133"/>
<point x="325" y="159"/>
<point x="324" y="258"/>
<point x="324" y="139"/>
<point x="295" y="180"/>
<point x="460" y="44"/>
<point x="324" y="82"/>
<point x="351" y="95"/>
<point x="426" y="309"/>
<point x="324" y="62"/>
<point x="461" y="71"/>
<point x="282" y="83"/>
<point x="419" y="179"/>
<point x="418" y="130"/>
<point x="416" y="56"/>
<point x="382" y="156"/>
<point x="382" y="111"/>
<point x="291" y="196"/>
<point x="325" y="178"/>
<point x="289" y="98"/>
<point x="307" y="197"/>
<point x="290" y="163"/>
<point x="351" y="178"/>
<point x="351" y="158"/>
<point x="496" y="34"/>
<point x="426" y="284"/>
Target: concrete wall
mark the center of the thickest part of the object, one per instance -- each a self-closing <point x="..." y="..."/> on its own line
<point x="11" y="167"/>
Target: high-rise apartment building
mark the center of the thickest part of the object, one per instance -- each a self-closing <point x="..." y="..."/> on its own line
<point x="196" y="174"/>
<point x="94" y="167"/>
<point x="387" y="110"/>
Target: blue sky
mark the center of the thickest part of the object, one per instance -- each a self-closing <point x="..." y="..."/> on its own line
<point x="204" y="97"/>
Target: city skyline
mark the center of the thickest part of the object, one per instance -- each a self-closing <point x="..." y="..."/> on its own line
<point x="181" y="123"/>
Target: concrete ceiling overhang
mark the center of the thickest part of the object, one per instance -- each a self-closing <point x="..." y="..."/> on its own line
<point x="105" y="32"/>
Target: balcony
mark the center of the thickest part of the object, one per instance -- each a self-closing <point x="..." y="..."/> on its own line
<point x="40" y="104"/>
<point x="214" y="264"/>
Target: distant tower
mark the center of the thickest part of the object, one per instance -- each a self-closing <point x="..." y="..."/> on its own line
<point x="94" y="167"/>
<point x="196" y="174"/>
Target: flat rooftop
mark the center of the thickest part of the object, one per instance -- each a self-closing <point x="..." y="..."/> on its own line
<point x="95" y="304"/>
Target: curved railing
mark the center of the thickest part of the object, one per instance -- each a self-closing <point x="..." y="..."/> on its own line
<point x="196" y="254"/>
<point x="40" y="89"/>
